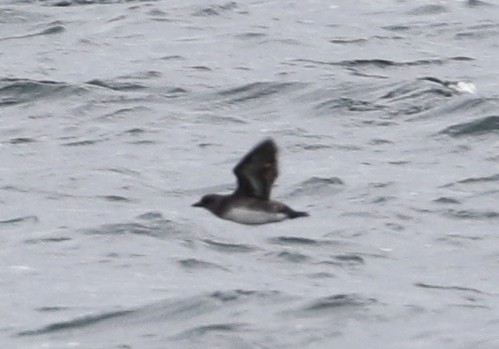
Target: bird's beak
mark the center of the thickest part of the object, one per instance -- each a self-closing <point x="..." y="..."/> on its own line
<point x="197" y="204"/>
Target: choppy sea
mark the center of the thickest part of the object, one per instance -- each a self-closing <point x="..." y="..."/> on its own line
<point x="116" y="116"/>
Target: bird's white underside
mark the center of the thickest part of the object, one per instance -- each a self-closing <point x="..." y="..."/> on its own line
<point x="247" y="216"/>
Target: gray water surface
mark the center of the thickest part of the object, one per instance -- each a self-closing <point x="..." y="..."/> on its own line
<point x="117" y="115"/>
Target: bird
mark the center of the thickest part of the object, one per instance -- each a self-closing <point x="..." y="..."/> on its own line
<point x="250" y="203"/>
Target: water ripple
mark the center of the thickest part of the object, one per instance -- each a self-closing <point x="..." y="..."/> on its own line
<point x="116" y="85"/>
<point x="481" y="126"/>
<point x="335" y="302"/>
<point x="473" y="214"/>
<point x="228" y="247"/>
<point x="197" y="264"/>
<point x="20" y="220"/>
<point x="216" y="10"/>
<point x="257" y="90"/>
<point x="151" y="224"/>
<point x="15" y="91"/>
<point x="448" y="288"/>
<point x="76" y="323"/>
<point x="318" y="185"/>
<point x="219" y="328"/>
<point x="56" y="29"/>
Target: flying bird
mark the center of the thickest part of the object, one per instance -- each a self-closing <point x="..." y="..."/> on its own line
<point x="250" y="203"/>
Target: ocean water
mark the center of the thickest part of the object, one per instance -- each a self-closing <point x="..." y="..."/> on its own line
<point x="116" y="116"/>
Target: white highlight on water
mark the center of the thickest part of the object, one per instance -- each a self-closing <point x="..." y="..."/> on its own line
<point x="464" y="87"/>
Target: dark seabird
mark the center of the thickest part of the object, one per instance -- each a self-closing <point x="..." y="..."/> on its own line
<point x="250" y="203"/>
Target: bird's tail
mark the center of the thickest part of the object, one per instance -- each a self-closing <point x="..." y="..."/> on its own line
<point x="295" y="214"/>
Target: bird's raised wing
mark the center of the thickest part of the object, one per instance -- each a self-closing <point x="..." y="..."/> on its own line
<point x="257" y="171"/>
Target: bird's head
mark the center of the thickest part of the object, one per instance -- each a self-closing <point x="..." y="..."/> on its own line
<point x="210" y="202"/>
